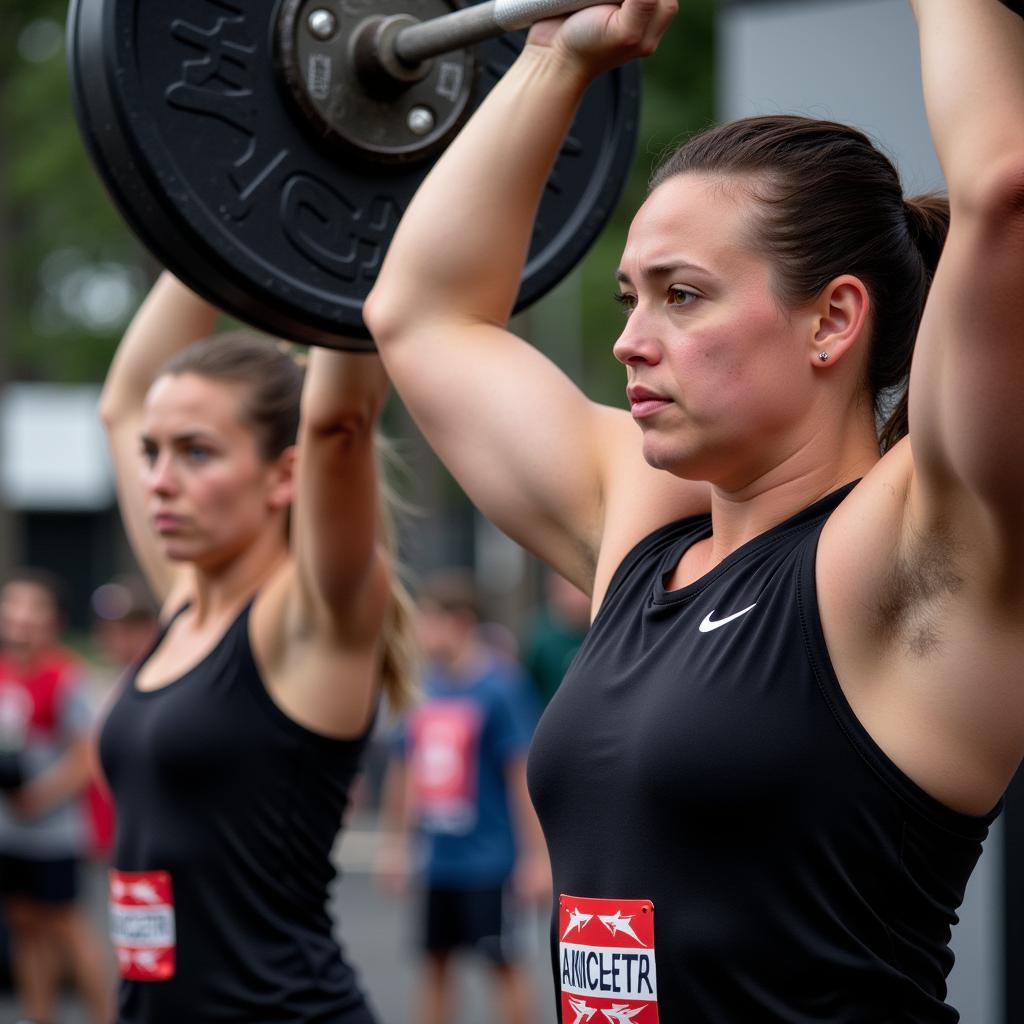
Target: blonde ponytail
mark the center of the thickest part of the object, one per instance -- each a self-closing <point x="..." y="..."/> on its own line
<point x="399" y="661"/>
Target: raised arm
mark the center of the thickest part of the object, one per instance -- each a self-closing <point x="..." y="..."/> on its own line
<point x="393" y="864"/>
<point x="321" y="628"/>
<point x="966" y="414"/>
<point x="342" y="568"/>
<point x="171" y="318"/>
<point x="523" y="441"/>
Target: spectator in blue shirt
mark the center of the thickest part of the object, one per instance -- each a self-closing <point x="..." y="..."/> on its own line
<point x="456" y="805"/>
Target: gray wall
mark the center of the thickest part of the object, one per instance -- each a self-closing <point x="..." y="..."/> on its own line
<point x="856" y="61"/>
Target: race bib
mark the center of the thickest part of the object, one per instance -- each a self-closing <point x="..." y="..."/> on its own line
<point x="606" y="961"/>
<point x="445" y="741"/>
<point x="142" y="924"/>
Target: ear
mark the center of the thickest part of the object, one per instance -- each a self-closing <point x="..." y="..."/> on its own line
<point x="281" y="486"/>
<point x="840" y="319"/>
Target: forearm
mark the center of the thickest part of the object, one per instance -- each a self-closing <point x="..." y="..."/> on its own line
<point x="64" y="779"/>
<point x="459" y="254"/>
<point x="529" y="835"/>
<point x="972" y="58"/>
<point x="532" y="878"/>
<point x="335" y="513"/>
<point x="343" y="390"/>
<point x="396" y="807"/>
<point x="393" y="865"/>
<point x="170" y="318"/>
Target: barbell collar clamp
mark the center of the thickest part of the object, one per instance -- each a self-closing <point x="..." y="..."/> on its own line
<point x="374" y="56"/>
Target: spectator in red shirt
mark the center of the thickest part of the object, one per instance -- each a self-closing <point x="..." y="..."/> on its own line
<point x="45" y="742"/>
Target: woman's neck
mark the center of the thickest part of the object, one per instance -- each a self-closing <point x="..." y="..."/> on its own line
<point x="811" y="470"/>
<point x="223" y="588"/>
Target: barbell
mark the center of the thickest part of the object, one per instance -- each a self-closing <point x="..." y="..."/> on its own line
<point x="264" y="150"/>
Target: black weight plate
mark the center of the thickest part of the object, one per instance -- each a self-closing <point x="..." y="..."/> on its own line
<point x="184" y="116"/>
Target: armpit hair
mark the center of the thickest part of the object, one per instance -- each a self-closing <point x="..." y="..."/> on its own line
<point x="926" y="570"/>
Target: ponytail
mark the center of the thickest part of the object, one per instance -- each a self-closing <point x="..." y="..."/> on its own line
<point x="928" y="224"/>
<point x="928" y="221"/>
<point x="398" y="662"/>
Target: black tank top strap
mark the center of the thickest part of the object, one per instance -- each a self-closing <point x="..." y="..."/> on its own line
<point x="175" y="615"/>
<point x="131" y="670"/>
<point x="165" y="628"/>
<point x="239" y="637"/>
<point x="689" y="529"/>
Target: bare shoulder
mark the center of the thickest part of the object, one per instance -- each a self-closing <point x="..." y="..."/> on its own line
<point x="923" y="643"/>
<point x="860" y="542"/>
<point x="637" y="499"/>
<point x="321" y="672"/>
<point x="892" y="569"/>
<point x="288" y="618"/>
<point x="897" y="557"/>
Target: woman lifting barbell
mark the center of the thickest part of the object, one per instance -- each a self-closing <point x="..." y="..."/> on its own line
<point x="232" y="745"/>
<point x="767" y="776"/>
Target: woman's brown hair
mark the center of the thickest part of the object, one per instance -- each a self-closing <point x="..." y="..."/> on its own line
<point x="830" y="203"/>
<point x="271" y="380"/>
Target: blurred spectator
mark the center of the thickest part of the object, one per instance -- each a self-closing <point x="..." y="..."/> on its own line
<point x="124" y="618"/>
<point x="457" y="810"/>
<point x="45" y="736"/>
<point x="554" y="633"/>
<point x="501" y="640"/>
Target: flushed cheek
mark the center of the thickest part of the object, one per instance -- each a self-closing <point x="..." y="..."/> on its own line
<point x="232" y="504"/>
<point x="745" y="346"/>
<point x="225" y="506"/>
<point x="709" y="375"/>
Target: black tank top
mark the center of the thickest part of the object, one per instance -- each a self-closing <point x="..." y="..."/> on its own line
<point x="227" y="811"/>
<point x="707" y="793"/>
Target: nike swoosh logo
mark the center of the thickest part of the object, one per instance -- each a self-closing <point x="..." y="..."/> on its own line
<point x="708" y="625"/>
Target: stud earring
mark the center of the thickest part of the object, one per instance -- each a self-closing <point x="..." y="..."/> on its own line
<point x="823" y="356"/>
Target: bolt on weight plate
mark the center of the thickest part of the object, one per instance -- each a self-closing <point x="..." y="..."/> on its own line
<point x="322" y="23"/>
<point x="350" y="89"/>
<point x="238" y="190"/>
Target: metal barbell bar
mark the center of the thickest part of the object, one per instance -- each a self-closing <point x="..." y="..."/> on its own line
<point x="417" y="43"/>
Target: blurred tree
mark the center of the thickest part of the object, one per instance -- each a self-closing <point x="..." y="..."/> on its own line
<point x="8" y="539"/>
<point x="74" y="273"/>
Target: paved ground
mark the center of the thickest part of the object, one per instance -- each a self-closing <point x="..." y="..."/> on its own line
<point x="375" y="931"/>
